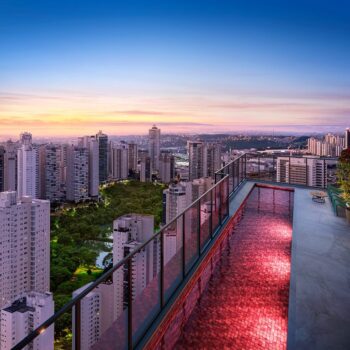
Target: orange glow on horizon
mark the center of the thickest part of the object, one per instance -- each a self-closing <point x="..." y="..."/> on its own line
<point x="72" y="115"/>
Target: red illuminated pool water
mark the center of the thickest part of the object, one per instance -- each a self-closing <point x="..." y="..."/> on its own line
<point x="245" y="303"/>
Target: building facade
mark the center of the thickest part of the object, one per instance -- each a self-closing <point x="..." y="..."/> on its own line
<point x="92" y="146"/>
<point x="302" y="171"/>
<point x="96" y="314"/>
<point x="10" y="166"/>
<point x="178" y="196"/>
<point x="27" y="168"/>
<point x="330" y="146"/>
<point x="213" y="158"/>
<point x="77" y="173"/>
<point x="145" y="169"/>
<point x="166" y="167"/>
<point x="129" y="232"/>
<point x="119" y="161"/>
<point x="132" y="157"/>
<point x="23" y="316"/>
<point x="347" y="138"/>
<point x="50" y="184"/>
<point x="102" y="140"/>
<point x="25" y="246"/>
<point x="200" y="186"/>
<point x="197" y="157"/>
<point x="2" y="169"/>
<point x="154" y="147"/>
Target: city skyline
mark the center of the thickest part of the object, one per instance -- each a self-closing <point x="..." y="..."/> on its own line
<point x="186" y="66"/>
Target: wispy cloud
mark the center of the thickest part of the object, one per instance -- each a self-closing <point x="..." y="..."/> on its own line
<point x="79" y="121"/>
<point x="138" y="112"/>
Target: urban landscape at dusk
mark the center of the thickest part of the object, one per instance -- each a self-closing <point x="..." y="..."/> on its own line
<point x="174" y="175"/>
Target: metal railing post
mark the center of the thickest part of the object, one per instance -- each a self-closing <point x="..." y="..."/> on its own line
<point x="289" y="170"/>
<point x="130" y="345"/>
<point x="183" y="247"/>
<point x="211" y="213"/>
<point x="234" y="174"/>
<point x="219" y="201"/>
<point x="306" y="175"/>
<point x="77" y="326"/>
<point x="199" y="228"/>
<point x="228" y="197"/>
<point x="162" y="269"/>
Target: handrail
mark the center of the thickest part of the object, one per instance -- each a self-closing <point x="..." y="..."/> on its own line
<point x="40" y="329"/>
<point x="305" y="156"/>
<point x="229" y="163"/>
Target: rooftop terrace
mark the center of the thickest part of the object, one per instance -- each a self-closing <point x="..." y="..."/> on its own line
<point x="319" y="305"/>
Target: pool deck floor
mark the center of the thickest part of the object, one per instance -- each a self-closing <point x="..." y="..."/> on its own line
<point x="319" y="305"/>
<point x="319" y="299"/>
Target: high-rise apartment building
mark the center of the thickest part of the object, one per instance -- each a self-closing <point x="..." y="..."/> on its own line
<point x="198" y="159"/>
<point x="129" y="232"/>
<point x="166" y="167"/>
<point x="176" y="199"/>
<point x="133" y="157"/>
<point x="96" y="314"/>
<point x="103" y="156"/>
<point x="62" y="164"/>
<point x="302" y="171"/>
<point x="200" y="186"/>
<point x="178" y="196"/>
<point x="119" y="161"/>
<point x="77" y="174"/>
<point x="331" y="146"/>
<point x="213" y="158"/>
<point x="2" y="169"/>
<point x="347" y="138"/>
<point x="10" y="166"/>
<point x="27" y="167"/>
<point x="50" y="184"/>
<point x="91" y="144"/>
<point x="24" y="246"/>
<point x="145" y="168"/>
<point x="154" y="147"/>
<point x="24" y="315"/>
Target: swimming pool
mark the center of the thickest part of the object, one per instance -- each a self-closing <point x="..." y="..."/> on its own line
<point x="241" y="299"/>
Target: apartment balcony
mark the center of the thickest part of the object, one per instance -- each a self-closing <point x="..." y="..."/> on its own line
<point x="256" y="265"/>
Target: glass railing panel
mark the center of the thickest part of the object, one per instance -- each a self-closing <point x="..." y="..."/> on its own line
<point x="224" y="193"/>
<point x="231" y="177"/>
<point x="236" y="172"/>
<point x="191" y="235"/>
<point x="146" y="287"/>
<point x="172" y="257"/>
<point x="105" y="313"/>
<point x="216" y="207"/>
<point x="205" y="219"/>
<point x="329" y="173"/>
<point x="252" y="166"/>
<point x="240" y="170"/>
<point x="266" y="168"/>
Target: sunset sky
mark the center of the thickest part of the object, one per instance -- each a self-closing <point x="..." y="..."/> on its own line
<point x="72" y="67"/>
